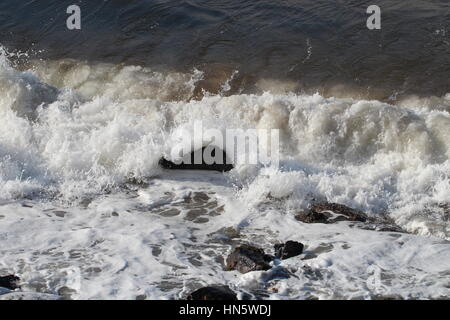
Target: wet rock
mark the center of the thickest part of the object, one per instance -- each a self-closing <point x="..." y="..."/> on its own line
<point x="247" y="258"/>
<point x="188" y="162"/>
<point x="288" y="250"/>
<point x="213" y="293"/>
<point x="312" y="216"/>
<point x="325" y="213"/>
<point x="10" y="282"/>
<point x="348" y="213"/>
<point x="382" y="227"/>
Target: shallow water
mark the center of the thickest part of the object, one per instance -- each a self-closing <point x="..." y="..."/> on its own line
<point x="124" y="246"/>
<point x="320" y="44"/>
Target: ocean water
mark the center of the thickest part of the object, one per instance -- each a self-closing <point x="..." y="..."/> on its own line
<point x="85" y="116"/>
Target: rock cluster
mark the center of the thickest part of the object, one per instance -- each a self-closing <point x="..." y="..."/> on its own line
<point x="245" y="259"/>
<point x="248" y="258"/>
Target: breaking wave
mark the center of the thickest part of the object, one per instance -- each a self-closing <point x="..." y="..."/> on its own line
<point x="72" y="129"/>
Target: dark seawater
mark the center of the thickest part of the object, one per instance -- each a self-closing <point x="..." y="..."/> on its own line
<point x="319" y="44"/>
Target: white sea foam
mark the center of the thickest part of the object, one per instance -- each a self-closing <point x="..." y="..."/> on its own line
<point x="76" y="128"/>
<point x="123" y="246"/>
<point x="71" y="130"/>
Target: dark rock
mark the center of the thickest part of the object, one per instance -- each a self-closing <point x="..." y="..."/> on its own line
<point x="10" y="282"/>
<point x="311" y="216"/>
<point x="319" y="213"/>
<point x="326" y="212"/>
<point x="188" y="162"/>
<point x="382" y="227"/>
<point x="247" y="258"/>
<point x="349" y="214"/>
<point x="288" y="250"/>
<point x="213" y="293"/>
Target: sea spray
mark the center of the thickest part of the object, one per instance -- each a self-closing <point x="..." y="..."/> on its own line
<point x="81" y="129"/>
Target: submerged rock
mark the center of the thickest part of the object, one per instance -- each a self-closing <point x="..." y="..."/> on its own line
<point x="347" y="213"/>
<point x="247" y="258"/>
<point x="10" y="282"/>
<point x="216" y="292"/>
<point x="311" y="216"/>
<point x="288" y="250"/>
<point x="326" y="213"/>
<point x="382" y="227"/>
<point x="333" y="212"/>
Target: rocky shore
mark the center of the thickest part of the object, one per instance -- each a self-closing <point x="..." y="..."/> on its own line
<point x="248" y="258"/>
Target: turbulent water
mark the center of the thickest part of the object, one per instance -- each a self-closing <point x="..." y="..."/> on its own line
<point x="364" y="120"/>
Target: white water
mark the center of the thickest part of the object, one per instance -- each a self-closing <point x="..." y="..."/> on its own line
<point x="71" y="131"/>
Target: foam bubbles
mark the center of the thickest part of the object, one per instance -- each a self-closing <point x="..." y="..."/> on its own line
<point x="79" y="129"/>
